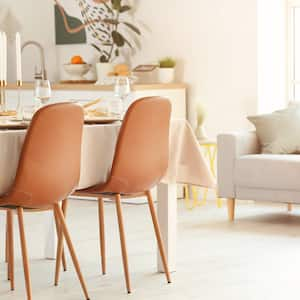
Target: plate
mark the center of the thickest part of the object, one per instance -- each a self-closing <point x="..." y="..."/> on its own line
<point x="13" y="125"/>
<point x="100" y="120"/>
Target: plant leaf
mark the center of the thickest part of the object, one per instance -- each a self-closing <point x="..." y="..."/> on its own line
<point x="107" y="44"/>
<point x="96" y="47"/>
<point x="132" y="27"/>
<point x="116" y="4"/>
<point x="106" y="53"/>
<point x="108" y="8"/>
<point x="110" y="21"/>
<point x="128" y="43"/>
<point x="118" y="38"/>
<point x="103" y="59"/>
<point x="125" y="8"/>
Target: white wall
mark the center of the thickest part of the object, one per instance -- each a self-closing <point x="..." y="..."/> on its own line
<point x="36" y="18"/>
<point x="215" y="42"/>
<point x="272" y="59"/>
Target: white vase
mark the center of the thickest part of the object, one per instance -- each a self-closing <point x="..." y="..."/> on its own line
<point x="102" y="71"/>
<point x="166" y="75"/>
<point x="201" y="133"/>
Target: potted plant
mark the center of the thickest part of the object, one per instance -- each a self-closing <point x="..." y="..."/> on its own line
<point x="112" y="34"/>
<point x="166" y="72"/>
<point x="201" y="116"/>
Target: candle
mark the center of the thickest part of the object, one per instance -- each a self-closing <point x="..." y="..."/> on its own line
<point x="1" y="56"/>
<point x="18" y="56"/>
<point x="4" y="57"/>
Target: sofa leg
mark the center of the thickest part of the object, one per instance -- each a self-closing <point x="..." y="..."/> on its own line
<point x="231" y="208"/>
<point x="290" y="207"/>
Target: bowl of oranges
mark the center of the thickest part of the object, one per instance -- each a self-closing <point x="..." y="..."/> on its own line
<point x="77" y="68"/>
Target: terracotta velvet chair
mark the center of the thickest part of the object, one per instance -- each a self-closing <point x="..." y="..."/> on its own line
<point x="140" y="162"/>
<point x="48" y="172"/>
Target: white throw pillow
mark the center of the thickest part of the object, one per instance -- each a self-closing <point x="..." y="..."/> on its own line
<point x="279" y="132"/>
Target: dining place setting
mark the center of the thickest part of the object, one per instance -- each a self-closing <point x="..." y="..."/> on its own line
<point x="53" y="151"/>
<point x="96" y="111"/>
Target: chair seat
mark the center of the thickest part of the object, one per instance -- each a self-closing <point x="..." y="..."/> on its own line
<point x="268" y="171"/>
<point x="26" y="209"/>
<point x="93" y="193"/>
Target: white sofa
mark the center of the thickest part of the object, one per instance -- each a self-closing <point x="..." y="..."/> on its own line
<point x="245" y="174"/>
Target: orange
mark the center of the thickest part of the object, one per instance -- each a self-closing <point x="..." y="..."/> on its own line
<point x="77" y="60"/>
<point x="120" y="68"/>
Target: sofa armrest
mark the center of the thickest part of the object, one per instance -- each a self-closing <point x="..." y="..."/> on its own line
<point x="230" y="147"/>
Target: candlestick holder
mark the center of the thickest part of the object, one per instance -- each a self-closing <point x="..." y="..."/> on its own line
<point x="3" y="85"/>
<point x="19" y="104"/>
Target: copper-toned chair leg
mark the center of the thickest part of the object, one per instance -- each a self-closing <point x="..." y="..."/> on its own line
<point x="158" y="236"/>
<point x="102" y="234"/>
<point x="59" y="251"/>
<point x="6" y="244"/>
<point x="64" y="210"/>
<point x="11" y="263"/>
<point x="63" y="226"/>
<point x="61" y="257"/>
<point x="7" y="247"/>
<point x="24" y="253"/>
<point x="123" y="242"/>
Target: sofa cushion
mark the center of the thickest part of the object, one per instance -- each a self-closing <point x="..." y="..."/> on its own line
<point x="279" y="132"/>
<point x="268" y="171"/>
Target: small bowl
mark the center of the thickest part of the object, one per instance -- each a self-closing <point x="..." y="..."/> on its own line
<point x="77" y="71"/>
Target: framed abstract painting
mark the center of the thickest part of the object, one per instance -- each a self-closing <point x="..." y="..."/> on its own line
<point x="74" y="19"/>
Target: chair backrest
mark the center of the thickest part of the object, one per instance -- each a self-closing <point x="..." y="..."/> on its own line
<point x="142" y="151"/>
<point x="49" y="166"/>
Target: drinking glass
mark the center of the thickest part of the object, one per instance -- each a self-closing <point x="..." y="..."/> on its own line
<point x="122" y="90"/>
<point x="42" y="91"/>
<point x="28" y="112"/>
<point x="122" y="87"/>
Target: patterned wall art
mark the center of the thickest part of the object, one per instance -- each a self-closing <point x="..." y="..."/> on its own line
<point x="106" y="25"/>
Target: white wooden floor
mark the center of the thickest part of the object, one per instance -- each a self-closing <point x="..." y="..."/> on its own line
<point x="258" y="257"/>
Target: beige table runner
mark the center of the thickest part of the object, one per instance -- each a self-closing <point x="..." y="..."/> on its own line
<point x="186" y="164"/>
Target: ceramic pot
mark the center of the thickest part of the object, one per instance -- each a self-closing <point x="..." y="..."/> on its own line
<point x="166" y="75"/>
<point x="77" y="72"/>
<point x="102" y="72"/>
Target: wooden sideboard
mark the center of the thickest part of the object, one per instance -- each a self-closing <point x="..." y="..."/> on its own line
<point x="176" y="92"/>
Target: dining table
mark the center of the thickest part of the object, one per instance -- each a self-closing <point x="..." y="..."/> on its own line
<point x="186" y="166"/>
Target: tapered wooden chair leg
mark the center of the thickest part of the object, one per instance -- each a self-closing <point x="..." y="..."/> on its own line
<point x="64" y="207"/>
<point x="290" y="207"/>
<point x="67" y="237"/>
<point x="11" y="262"/>
<point x="24" y="253"/>
<point x="102" y="234"/>
<point x="6" y="238"/>
<point x="123" y="242"/>
<point x="7" y="247"/>
<point x="158" y="236"/>
<point x="231" y="209"/>
<point x="59" y="251"/>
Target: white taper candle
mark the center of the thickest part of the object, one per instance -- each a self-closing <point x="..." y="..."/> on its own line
<point x="4" y="57"/>
<point x="1" y="55"/>
<point x="18" y="57"/>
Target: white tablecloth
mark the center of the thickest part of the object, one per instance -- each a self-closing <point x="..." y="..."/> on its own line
<point x="186" y="164"/>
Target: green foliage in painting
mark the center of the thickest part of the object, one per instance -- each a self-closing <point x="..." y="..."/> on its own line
<point x="113" y="39"/>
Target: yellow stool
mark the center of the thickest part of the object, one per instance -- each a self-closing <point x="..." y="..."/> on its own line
<point x="210" y="152"/>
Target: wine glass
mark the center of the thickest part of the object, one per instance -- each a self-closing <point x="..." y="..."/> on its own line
<point x="122" y="88"/>
<point x="43" y="91"/>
